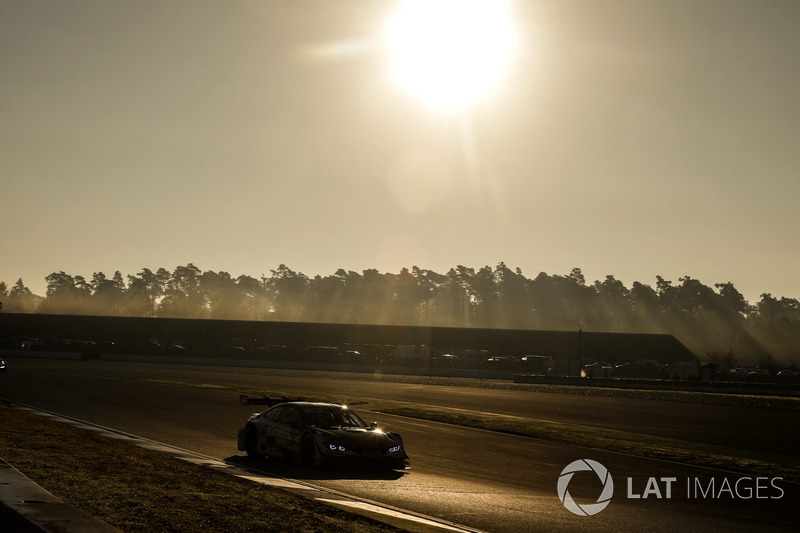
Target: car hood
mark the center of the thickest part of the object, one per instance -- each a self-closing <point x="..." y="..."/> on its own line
<point x="357" y="437"/>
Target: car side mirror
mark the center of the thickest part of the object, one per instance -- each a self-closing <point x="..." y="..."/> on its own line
<point x="373" y="425"/>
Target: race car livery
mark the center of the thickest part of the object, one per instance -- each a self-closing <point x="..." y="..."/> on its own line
<point x="316" y="433"/>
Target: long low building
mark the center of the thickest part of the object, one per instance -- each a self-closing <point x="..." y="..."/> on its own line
<point x="212" y="337"/>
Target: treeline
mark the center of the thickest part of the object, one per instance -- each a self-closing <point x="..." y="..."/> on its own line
<point x="716" y="322"/>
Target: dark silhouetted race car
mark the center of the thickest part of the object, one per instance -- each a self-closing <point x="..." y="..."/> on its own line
<point x="316" y="433"/>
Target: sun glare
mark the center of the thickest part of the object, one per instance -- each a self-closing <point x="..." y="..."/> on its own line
<point x="449" y="52"/>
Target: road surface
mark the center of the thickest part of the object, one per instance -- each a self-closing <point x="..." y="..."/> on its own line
<point x="481" y="479"/>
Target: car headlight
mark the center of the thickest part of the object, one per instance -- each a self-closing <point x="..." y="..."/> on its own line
<point x="337" y="447"/>
<point x="394" y="449"/>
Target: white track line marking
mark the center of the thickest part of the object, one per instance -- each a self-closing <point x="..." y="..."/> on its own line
<point x="368" y="507"/>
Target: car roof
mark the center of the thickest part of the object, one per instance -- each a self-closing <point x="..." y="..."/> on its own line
<point x="304" y="405"/>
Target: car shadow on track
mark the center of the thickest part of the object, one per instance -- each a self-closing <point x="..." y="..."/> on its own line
<point x="286" y="469"/>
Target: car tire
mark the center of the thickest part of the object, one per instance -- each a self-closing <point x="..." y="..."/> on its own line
<point x="308" y="451"/>
<point x="251" y="441"/>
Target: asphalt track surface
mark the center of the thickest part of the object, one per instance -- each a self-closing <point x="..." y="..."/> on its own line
<point x="481" y="479"/>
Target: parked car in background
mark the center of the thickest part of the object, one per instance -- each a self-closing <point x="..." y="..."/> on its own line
<point x="738" y="372"/>
<point x="502" y="362"/>
<point x="598" y="369"/>
<point x="536" y="364"/>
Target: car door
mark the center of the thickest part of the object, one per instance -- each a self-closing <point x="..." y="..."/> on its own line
<point x="267" y="425"/>
<point x="287" y="434"/>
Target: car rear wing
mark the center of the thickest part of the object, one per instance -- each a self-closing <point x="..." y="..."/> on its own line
<point x="246" y="399"/>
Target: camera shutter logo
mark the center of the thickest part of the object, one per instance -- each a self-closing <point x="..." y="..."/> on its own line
<point x="588" y="509"/>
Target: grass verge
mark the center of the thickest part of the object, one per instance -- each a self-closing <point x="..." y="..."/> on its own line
<point x="139" y="490"/>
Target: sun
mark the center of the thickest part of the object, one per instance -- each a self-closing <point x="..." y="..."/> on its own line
<point x="449" y="52"/>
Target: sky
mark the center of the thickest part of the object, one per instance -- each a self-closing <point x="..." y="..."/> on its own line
<point x="632" y="138"/>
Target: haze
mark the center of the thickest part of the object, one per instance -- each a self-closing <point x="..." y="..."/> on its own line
<point x="634" y="138"/>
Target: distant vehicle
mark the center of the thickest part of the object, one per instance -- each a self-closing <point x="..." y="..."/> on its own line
<point x="502" y="362"/>
<point x="598" y="369"/>
<point x="233" y="351"/>
<point x="785" y="373"/>
<point x="536" y="364"/>
<point x="474" y="358"/>
<point x="759" y="372"/>
<point x="409" y="354"/>
<point x="353" y="356"/>
<point x="2" y="366"/>
<point x="445" y="360"/>
<point x="639" y="370"/>
<point x="315" y="433"/>
<point x="320" y="354"/>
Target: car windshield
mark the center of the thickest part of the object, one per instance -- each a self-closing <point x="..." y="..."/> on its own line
<point x="333" y="417"/>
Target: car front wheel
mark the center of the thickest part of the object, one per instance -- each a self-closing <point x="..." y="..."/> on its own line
<point x="308" y="451"/>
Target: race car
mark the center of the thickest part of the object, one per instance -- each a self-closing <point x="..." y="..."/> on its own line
<point x="316" y="433"/>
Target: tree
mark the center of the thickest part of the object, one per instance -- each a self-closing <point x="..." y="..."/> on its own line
<point x="452" y="300"/>
<point x="221" y="294"/>
<point x="182" y="296"/>
<point x="483" y="298"/>
<point x="696" y="300"/>
<point x="647" y="310"/>
<point x="373" y="297"/>
<point x="288" y="291"/>
<point x="107" y="294"/>
<point x="562" y="302"/>
<point x="772" y="311"/>
<point x="254" y="303"/>
<point x="145" y="291"/>
<point x="426" y="282"/>
<point x="614" y="305"/>
<point x="732" y="303"/>
<point x="514" y="308"/>
<point x="546" y="305"/>
<point x="20" y="299"/>
<point x="66" y="295"/>
<point x="405" y="298"/>
<point x="328" y="300"/>
<point x="577" y="276"/>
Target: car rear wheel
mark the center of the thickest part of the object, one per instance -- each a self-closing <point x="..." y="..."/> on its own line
<point x="251" y="442"/>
